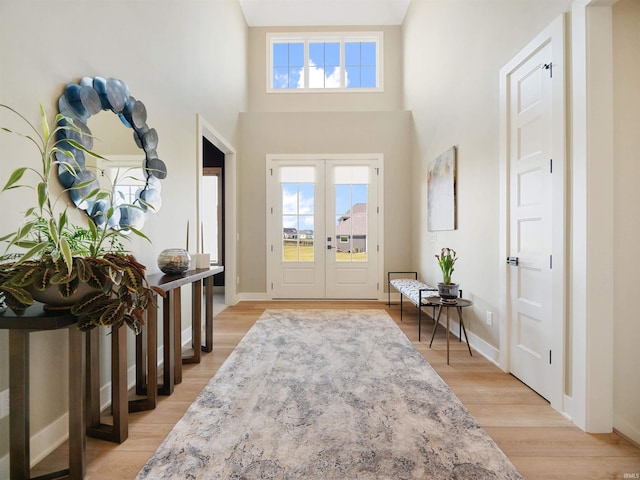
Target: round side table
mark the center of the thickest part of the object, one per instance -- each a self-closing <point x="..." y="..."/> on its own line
<point x="458" y="305"/>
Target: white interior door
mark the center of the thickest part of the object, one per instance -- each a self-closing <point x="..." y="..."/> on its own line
<point x="323" y="223"/>
<point x="530" y="108"/>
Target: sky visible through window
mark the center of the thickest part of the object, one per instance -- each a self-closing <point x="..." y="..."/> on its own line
<point x="298" y="203"/>
<point x="324" y="65"/>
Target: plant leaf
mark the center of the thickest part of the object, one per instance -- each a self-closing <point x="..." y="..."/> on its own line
<point x="32" y="252"/>
<point x="42" y="194"/>
<point x="53" y="231"/>
<point x="45" y="126"/>
<point x="15" y="177"/>
<point x="66" y="254"/>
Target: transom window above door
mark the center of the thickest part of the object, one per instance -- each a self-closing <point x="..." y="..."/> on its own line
<point x="324" y="62"/>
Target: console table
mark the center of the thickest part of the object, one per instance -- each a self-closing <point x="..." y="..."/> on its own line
<point x="172" y="325"/>
<point x="34" y="320"/>
<point x="147" y="352"/>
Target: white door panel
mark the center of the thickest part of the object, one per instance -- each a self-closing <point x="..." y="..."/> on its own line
<point x="530" y="206"/>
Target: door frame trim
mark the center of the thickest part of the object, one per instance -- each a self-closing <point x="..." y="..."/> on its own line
<point x="272" y="157"/>
<point x="555" y="33"/>
<point x="205" y="130"/>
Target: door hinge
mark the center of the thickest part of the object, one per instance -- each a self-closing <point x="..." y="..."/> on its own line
<point x="377" y="248"/>
<point x="377" y="171"/>
<point x="551" y="165"/>
<point x="271" y="248"/>
<point x="549" y="66"/>
<point x="271" y="172"/>
<point x="551" y="261"/>
<point x="377" y="209"/>
<point x="271" y="285"/>
<point x="549" y="357"/>
<point x="378" y="286"/>
<point x="271" y="210"/>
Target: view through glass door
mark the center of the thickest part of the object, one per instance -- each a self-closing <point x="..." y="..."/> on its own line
<point x="323" y="223"/>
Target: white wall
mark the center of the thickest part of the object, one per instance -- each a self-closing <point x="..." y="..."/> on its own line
<point x="323" y="133"/>
<point x="286" y="123"/>
<point x="453" y="52"/>
<point x="626" y="255"/>
<point x="452" y="55"/>
<point x="178" y="58"/>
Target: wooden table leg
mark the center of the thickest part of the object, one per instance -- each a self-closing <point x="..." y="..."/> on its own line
<point x="177" y="323"/>
<point x="19" y="450"/>
<point x="77" y="438"/>
<point x="93" y="379"/>
<point x="119" y="431"/>
<point x="208" y="322"/>
<point x="168" y="346"/>
<point x="147" y="363"/>
<point x="119" y="387"/>
<point x="196" y="323"/>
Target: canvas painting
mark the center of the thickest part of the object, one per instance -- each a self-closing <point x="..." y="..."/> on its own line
<point x="441" y="188"/>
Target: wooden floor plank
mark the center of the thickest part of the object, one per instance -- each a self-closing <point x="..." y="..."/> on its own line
<point x="538" y="440"/>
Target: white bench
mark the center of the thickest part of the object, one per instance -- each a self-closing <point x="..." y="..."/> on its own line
<point x="414" y="290"/>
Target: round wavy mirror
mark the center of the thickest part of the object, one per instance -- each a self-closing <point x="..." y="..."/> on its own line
<point x="79" y="102"/>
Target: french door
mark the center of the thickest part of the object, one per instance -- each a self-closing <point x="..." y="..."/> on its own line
<point x="323" y="223"/>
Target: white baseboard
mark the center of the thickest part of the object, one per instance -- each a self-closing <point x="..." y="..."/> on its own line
<point x="488" y="351"/>
<point x="42" y="443"/>
<point x="626" y="428"/>
<point x="252" y="296"/>
<point x="49" y="438"/>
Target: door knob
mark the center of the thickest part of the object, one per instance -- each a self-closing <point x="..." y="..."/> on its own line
<point x="512" y="261"/>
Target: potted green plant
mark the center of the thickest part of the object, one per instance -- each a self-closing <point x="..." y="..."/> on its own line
<point x="86" y="268"/>
<point x="447" y="290"/>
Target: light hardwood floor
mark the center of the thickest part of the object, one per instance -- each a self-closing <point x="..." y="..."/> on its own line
<point x="539" y="441"/>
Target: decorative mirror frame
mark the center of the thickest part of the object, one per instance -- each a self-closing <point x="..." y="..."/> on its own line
<point x="79" y="102"/>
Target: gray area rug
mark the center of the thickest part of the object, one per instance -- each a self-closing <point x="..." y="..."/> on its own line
<point x="327" y="394"/>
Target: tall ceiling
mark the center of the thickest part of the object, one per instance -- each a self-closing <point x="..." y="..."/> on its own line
<point x="291" y="13"/>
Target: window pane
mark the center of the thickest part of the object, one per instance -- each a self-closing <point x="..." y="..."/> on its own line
<point x="324" y="65"/>
<point x="296" y="78"/>
<point x="368" y="77"/>
<point x="316" y="54"/>
<point x="352" y="79"/>
<point x="296" y="54"/>
<point x="305" y="199"/>
<point x="343" y="199"/>
<point x="280" y="77"/>
<point x="368" y="53"/>
<point x="280" y="54"/>
<point x="352" y="53"/>
<point x="289" y="199"/>
<point x="332" y="55"/>
<point x="351" y="213"/>
<point x="288" y="65"/>
<point x="359" y="195"/>
<point x="297" y="213"/>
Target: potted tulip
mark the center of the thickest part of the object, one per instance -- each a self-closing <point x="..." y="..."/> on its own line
<point x="447" y="290"/>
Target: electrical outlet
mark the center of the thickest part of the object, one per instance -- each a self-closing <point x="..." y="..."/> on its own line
<point x="489" y="318"/>
<point x="4" y="403"/>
